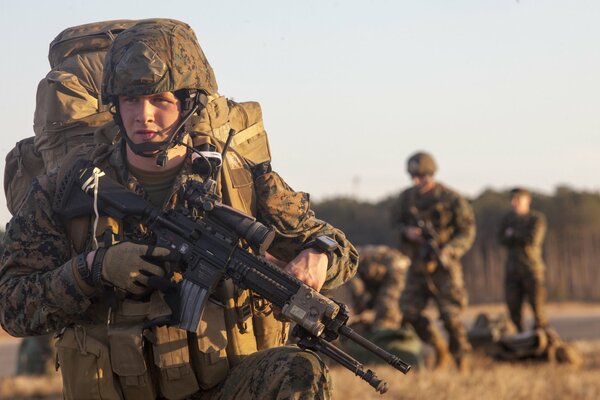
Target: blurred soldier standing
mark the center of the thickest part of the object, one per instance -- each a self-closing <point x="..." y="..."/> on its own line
<point x="89" y="280"/>
<point x="436" y="227"/>
<point x="522" y="231"/>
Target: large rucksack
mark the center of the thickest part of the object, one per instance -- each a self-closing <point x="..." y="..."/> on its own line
<point x="68" y="107"/>
<point x="69" y="111"/>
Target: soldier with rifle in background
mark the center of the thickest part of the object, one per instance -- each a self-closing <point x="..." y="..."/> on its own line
<point x="436" y="227"/>
<point x="522" y="231"/>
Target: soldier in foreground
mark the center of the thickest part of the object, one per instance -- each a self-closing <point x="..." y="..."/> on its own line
<point x="436" y="227"/>
<point x="90" y="281"/>
<point x="522" y="232"/>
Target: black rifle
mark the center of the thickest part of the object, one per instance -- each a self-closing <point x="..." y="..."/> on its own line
<point x="430" y="250"/>
<point x="210" y="248"/>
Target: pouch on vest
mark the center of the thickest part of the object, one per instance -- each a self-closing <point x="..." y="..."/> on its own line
<point x="207" y="347"/>
<point x="85" y="366"/>
<point x="172" y="357"/>
<point x="237" y="310"/>
<point x="251" y="139"/>
<point x="269" y="331"/>
<point x="238" y="186"/>
<point x="128" y="362"/>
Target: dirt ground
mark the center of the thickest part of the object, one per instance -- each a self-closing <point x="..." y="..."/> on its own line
<point x="489" y="379"/>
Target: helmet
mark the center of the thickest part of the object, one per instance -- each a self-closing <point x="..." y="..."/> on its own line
<point x="155" y="56"/>
<point x="421" y="164"/>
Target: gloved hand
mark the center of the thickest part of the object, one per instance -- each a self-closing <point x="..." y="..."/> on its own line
<point x="128" y="266"/>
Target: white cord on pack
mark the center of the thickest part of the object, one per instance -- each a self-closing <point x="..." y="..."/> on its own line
<point x="93" y="182"/>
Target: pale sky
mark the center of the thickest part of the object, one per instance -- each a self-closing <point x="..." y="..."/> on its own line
<point x="502" y="92"/>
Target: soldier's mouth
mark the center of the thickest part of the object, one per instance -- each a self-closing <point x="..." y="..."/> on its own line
<point x="146" y="134"/>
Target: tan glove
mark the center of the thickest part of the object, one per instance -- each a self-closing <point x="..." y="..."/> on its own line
<point x="128" y="266"/>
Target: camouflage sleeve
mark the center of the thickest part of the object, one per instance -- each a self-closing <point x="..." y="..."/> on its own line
<point x="289" y="213"/>
<point x="38" y="291"/>
<point x="464" y="232"/>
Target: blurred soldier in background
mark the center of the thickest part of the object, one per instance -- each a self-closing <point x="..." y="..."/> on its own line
<point x="436" y="227"/>
<point x="522" y="231"/>
<point x="374" y="296"/>
<point x="378" y="285"/>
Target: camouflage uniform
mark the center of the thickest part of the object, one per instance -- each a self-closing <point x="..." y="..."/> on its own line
<point x="523" y="236"/>
<point x="378" y="284"/>
<point x="452" y="218"/>
<point x="41" y="291"/>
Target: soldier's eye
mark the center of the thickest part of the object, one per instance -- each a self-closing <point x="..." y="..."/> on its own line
<point x="129" y="99"/>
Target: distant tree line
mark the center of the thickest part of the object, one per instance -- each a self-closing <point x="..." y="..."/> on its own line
<point x="571" y="249"/>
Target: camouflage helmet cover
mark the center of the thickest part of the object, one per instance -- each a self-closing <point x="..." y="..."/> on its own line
<point x="155" y="56"/>
<point x="421" y="164"/>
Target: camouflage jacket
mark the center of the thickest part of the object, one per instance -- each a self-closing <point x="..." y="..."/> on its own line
<point x="523" y="235"/>
<point x="448" y="213"/>
<point x="382" y="271"/>
<point x="38" y="290"/>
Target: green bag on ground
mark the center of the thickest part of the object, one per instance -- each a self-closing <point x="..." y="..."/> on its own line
<point x="403" y="342"/>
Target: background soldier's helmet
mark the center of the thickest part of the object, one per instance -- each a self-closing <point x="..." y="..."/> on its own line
<point x="421" y="164"/>
<point x="155" y="56"/>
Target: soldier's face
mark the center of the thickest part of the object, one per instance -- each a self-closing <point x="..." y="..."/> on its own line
<point x="520" y="204"/>
<point x="422" y="182"/>
<point x="149" y="118"/>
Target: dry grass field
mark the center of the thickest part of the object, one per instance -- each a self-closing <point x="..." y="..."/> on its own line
<point x="488" y="380"/>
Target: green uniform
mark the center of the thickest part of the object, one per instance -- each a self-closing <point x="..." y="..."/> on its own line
<point x="523" y="236"/>
<point x="451" y="217"/>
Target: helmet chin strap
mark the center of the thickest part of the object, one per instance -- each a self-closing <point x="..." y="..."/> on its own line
<point x="147" y="149"/>
<point x="162" y="158"/>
